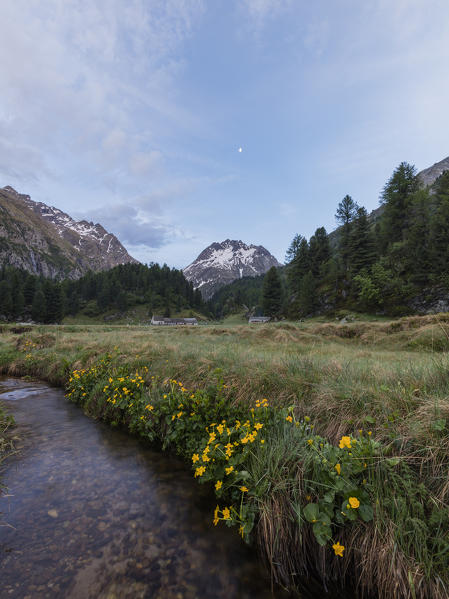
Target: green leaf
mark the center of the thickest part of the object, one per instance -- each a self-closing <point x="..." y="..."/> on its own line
<point x="322" y="533"/>
<point x="366" y="512"/>
<point x="329" y="497"/>
<point x="311" y="512"/>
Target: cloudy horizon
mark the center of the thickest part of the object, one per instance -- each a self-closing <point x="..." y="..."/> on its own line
<point x="176" y="123"/>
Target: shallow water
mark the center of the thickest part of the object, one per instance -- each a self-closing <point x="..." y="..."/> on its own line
<point x="93" y="514"/>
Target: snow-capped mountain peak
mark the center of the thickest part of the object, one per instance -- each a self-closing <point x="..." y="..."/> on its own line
<point x="222" y="263"/>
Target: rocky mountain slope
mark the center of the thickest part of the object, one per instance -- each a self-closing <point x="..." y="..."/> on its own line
<point x="46" y="241"/>
<point x="429" y="175"/>
<point x="222" y="263"/>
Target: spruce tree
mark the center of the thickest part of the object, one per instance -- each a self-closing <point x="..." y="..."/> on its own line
<point x="346" y="213"/>
<point x="6" y="302"/>
<point x="299" y="265"/>
<point x="439" y="226"/>
<point x="319" y="251"/>
<point x="272" y="293"/>
<point x="418" y="258"/>
<point x="396" y="198"/>
<point x="39" y="307"/>
<point x="293" y="248"/>
<point x="361" y="245"/>
<point x="307" y="294"/>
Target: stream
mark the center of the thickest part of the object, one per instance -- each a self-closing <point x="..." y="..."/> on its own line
<point x="91" y="513"/>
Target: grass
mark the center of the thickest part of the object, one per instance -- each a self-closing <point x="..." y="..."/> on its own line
<point x="387" y="377"/>
<point x="6" y="438"/>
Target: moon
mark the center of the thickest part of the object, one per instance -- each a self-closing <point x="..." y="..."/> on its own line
<point x="240" y="149"/>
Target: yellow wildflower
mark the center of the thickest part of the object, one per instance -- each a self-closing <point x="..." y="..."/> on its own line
<point x="337" y="468"/>
<point x="244" y="489"/>
<point x="345" y="442"/>
<point x="354" y="502"/>
<point x="226" y="513"/>
<point x="229" y="469"/>
<point x="220" y="429"/>
<point x="200" y="471"/>
<point x="195" y="457"/>
<point x="289" y="418"/>
<point x="310" y="441"/>
<point x="218" y="485"/>
<point x="258" y="426"/>
<point x="216" y="518"/>
<point x="338" y="549"/>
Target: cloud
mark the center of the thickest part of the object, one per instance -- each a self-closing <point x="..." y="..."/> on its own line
<point x="143" y="163"/>
<point x="80" y="77"/>
<point x="259" y="10"/>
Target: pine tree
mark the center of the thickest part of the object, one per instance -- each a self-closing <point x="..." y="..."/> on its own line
<point x="39" y="307"/>
<point x="418" y="261"/>
<point x="272" y="293"/>
<point x="345" y="215"/>
<point x="307" y="294"/>
<point x="299" y="265"/>
<point x="396" y="198"/>
<point x="319" y="251"/>
<point x="439" y="226"/>
<point x="293" y="248"/>
<point x="361" y="245"/>
<point x="6" y="303"/>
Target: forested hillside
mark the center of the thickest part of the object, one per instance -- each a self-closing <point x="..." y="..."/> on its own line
<point x="24" y="296"/>
<point x="396" y="263"/>
<point x="393" y="261"/>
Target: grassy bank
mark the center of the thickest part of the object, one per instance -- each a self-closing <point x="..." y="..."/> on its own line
<point x="355" y="415"/>
<point x="6" y="439"/>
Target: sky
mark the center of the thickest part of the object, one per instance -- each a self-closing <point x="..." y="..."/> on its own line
<point x="131" y="113"/>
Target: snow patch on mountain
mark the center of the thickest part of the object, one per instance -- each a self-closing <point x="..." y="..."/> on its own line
<point x="222" y="263"/>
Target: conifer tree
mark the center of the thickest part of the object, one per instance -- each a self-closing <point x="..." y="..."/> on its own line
<point x="319" y="251"/>
<point x="293" y="248"/>
<point x="6" y="303"/>
<point x="39" y="307"/>
<point x="307" y="294"/>
<point x="396" y="198"/>
<point x="439" y="227"/>
<point x="418" y="259"/>
<point x="361" y="243"/>
<point x="272" y="293"/>
<point x="299" y="265"/>
<point x="346" y="213"/>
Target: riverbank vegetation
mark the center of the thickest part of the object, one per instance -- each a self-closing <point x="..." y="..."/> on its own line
<point x="6" y="438"/>
<point x="326" y="444"/>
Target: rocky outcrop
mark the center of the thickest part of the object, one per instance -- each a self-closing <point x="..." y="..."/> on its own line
<point x="46" y="241"/>
<point x="222" y="263"/>
<point x="429" y="175"/>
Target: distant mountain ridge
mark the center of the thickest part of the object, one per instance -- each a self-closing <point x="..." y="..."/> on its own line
<point x="46" y="241"/>
<point x="222" y="263"/>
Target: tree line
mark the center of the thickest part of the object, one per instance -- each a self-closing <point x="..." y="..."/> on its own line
<point x="163" y="289"/>
<point x="389" y="261"/>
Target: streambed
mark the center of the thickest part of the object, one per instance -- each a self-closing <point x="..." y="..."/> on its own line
<point x="92" y="513"/>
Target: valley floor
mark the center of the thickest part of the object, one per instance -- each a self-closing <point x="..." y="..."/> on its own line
<point x="386" y="382"/>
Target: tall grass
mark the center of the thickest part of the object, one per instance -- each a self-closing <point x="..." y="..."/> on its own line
<point x="388" y="378"/>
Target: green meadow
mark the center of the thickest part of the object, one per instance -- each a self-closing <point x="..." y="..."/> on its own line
<point x="337" y="434"/>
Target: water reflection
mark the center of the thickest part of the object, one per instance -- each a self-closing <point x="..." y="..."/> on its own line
<point x="97" y="515"/>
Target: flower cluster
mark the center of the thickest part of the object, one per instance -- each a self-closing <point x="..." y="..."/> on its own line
<point x="222" y="440"/>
